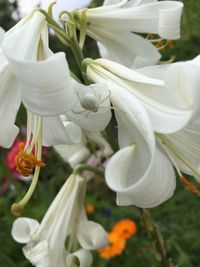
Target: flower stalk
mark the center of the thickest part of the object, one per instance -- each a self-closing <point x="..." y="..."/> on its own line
<point x="155" y="234"/>
<point x="86" y="167"/>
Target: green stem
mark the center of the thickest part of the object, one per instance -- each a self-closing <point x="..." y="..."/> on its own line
<point x="58" y="30"/>
<point x="155" y="234"/>
<point x="85" y="167"/>
<point x="72" y="42"/>
<point x="73" y="75"/>
<point x="78" y="54"/>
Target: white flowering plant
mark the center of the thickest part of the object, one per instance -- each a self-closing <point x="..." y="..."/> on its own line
<point x="126" y="115"/>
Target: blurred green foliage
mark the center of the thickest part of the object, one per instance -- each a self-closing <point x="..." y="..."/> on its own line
<point x="179" y="218"/>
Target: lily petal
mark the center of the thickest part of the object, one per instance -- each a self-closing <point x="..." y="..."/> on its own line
<point x="56" y="226"/>
<point x="84" y="257"/>
<point x="87" y="119"/>
<point x="23" y="228"/>
<point x="184" y="81"/>
<point x="10" y="99"/>
<point x="135" y="52"/>
<point x="45" y="85"/>
<point x="73" y="154"/>
<point x="154" y="94"/>
<point x="187" y="142"/>
<point x="155" y="186"/>
<point x="2" y="34"/>
<point x="38" y="255"/>
<point x="93" y="237"/>
<point x="162" y="18"/>
<point x="66" y="132"/>
<point x="43" y="76"/>
<point x="134" y="172"/>
<point x="22" y="41"/>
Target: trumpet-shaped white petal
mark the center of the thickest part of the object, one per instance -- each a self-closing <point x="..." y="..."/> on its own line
<point x="157" y="95"/>
<point x="147" y="16"/>
<point x="10" y="99"/>
<point x="45" y="84"/>
<point x="78" y="153"/>
<point x="84" y="257"/>
<point x="23" y="228"/>
<point x="46" y="245"/>
<point x="135" y="52"/>
<point x="127" y="3"/>
<point x="45" y="91"/>
<point x="183" y="146"/>
<point x="183" y="80"/>
<point x="187" y="143"/>
<point x="134" y="172"/>
<point x="73" y="154"/>
<point x="96" y="239"/>
<point x="149" y="190"/>
<point x="91" y="110"/>
<point x="66" y="132"/>
<point x="161" y="18"/>
<point x="43" y="78"/>
<point x="171" y="102"/>
<point x="2" y="33"/>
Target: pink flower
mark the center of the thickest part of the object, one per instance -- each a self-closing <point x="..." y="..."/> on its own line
<point x="12" y="154"/>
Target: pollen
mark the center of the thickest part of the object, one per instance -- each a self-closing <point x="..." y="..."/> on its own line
<point x="25" y="163"/>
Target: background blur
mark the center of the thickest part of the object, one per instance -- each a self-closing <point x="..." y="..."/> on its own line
<point x="179" y="218"/>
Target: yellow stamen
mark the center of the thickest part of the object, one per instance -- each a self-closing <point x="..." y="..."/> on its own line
<point x="26" y="163"/>
<point x="170" y="43"/>
<point x="189" y="186"/>
<point x="160" y="45"/>
<point x="16" y="209"/>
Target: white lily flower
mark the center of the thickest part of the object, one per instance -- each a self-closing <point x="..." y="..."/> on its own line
<point x="65" y="218"/>
<point x="171" y="102"/>
<point x="119" y="43"/>
<point x="183" y="146"/>
<point x="44" y="90"/>
<point x="10" y="99"/>
<point x="138" y="172"/>
<point x="91" y="110"/>
<point x="43" y="84"/>
<point x="43" y="76"/>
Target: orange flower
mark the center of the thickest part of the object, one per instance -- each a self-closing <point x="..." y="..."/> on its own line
<point x="89" y="208"/>
<point x="125" y="228"/>
<point x="116" y="246"/>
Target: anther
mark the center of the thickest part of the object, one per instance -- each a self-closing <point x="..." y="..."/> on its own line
<point x="25" y="163"/>
<point x="189" y="186"/>
<point x="17" y="209"/>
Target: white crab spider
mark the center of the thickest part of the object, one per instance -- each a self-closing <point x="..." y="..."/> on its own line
<point x="91" y="102"/>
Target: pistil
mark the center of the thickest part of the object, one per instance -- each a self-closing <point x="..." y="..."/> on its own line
<point x="27" y="162"/>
